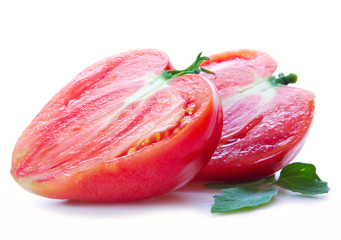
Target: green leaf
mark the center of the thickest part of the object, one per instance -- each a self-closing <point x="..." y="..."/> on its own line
<point x="302" y="178"/>
<point x="236" y="198"/>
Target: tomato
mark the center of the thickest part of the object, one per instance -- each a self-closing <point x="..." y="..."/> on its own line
<point x="265" y="123"/>
<point x="120" y="131"/>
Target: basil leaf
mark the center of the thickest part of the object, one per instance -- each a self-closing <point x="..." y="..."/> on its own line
<point x="302" y="178"/>
<point x="236" y="198"/>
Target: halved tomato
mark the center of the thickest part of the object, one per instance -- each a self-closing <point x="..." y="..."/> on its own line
<point x="265" y="121"/>
<point x="120" y="131"/>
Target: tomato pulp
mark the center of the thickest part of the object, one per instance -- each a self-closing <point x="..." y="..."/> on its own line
<point x="120" y="132"/>
<point x="265" y="123"/>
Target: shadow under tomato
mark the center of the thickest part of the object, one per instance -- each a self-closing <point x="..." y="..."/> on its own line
<point x="191" y="196"/>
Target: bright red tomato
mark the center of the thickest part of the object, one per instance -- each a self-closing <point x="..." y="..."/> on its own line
<point x="119" y="131"/>
<point x="265" y="124"/>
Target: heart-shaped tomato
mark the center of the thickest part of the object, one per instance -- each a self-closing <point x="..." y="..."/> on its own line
<point x="265" y="121"/>
<point x="121" y="130"/>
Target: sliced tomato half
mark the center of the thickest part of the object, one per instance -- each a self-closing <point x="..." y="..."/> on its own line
<point x="119" y="131"/>
<point x="265" y="122"/>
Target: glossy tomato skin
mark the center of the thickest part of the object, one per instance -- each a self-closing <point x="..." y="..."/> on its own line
<point x="265" y="126"/>
<point x="78" y="146"/>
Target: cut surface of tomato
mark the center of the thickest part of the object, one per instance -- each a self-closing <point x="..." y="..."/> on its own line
<point x="120" y="132"/>
<point x="265" y="124"/>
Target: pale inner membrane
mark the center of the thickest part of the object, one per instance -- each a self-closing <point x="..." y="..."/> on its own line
<point x="261" y="87"/>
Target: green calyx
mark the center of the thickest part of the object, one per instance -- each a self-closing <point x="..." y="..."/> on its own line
<point x="283" y="80"/>
<point x="193" y="69"/>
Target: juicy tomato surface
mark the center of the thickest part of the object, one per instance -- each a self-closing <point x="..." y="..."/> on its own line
<point x="119" y="132"/>
<point x="265" y="125"/>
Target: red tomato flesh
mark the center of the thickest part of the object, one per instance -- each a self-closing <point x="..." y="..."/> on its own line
<point x="265" y="126"/>
<point x="117" y="132"/>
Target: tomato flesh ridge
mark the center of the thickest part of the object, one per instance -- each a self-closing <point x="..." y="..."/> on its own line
<point x="157" y="136"/>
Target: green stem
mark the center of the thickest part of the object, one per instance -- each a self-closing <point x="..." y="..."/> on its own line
<point x="193" y="69"/>
<point x="283" y="80"/>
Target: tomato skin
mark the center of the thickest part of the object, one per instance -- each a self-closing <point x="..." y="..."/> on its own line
<point x="150" y="171"/>
<point x="258" y="139"/>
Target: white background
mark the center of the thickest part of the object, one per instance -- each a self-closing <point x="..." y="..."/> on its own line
<point x="44" y="44"/>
